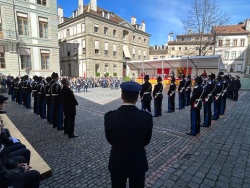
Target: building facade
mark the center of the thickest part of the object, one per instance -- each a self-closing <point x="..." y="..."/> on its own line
<point x="95" y="42"/>
<point x="158" y="52"/>
<point x="28" y="37"/>
<point x="232" y="43"/>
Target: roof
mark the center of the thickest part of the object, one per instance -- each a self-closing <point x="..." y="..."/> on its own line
<point x="231" y="29"/>
<point x="198" y="62"/>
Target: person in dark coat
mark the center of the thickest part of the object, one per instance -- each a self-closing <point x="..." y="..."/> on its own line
<point x="182" y="90"/>
<point x="217" y="98"/>
<point x="157" y="94"/>
<point x="207" y="100"/>
<point x="145" y="94"/>
<point x="69" y="108"/>
<point x="171" y="96"/>
<point x="128" y="130"/>
<point x="48" y="100"/>
<point x="230" y="88"/>
<point x="236" y="88"/>
<point x="188" y="85"/>
<point x="224" y="94"/>
<point x="196" y="105"/>
<point x="35" y="93"/>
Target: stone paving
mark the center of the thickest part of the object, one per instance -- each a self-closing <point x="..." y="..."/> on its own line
<point x="217" y="157"/>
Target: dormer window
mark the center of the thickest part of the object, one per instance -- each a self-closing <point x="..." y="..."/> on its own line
<point x="105" y="15"/>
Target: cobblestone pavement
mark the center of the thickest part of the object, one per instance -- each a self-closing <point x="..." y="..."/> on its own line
<point x="217" y="157"/>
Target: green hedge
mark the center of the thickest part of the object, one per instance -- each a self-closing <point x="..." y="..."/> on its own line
<point x="115" y="74"/>
<point x="97" y="74"/>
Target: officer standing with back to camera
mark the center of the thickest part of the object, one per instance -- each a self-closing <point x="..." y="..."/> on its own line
<point x="48" y="99"/>
<point x="145" y="94"/>
<point x="207" y="99"/>
<point x="157" y="94"/>
<point x="55" y="89"/>
<point x="35" y="93"/>
<point x="171" y="96"/>
<point x="128" y="156"/>
<point x="224" y="94"/>
<point x="217" y="98"/>
<point x="196" y="105"/>
<point x="28" y="90"/>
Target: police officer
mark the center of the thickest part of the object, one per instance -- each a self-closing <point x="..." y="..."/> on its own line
<point x="18" y="90"/>
<point x="224" y="94"/>
<point x="55" y="89"/>
<point x="128" y="156"/>
<point x="182" y="90"/>
<point x="217" y="98"/>
<point x="196" y="105"/>
<point x="207" y="99"/>
<point x="22" y="92"/>
<point x="188" y="85"/>
<point x="171" y="96"/>
<point x="157" y="94"/>
<point x="27" y="89"/>
<point x="236" y="88"/>
<point x="145" y="94"/>
<point x="12" y="88"/>
<point x="41" y="97"/>
<point x="35" y="93"/>
<point x="48" y="100"/>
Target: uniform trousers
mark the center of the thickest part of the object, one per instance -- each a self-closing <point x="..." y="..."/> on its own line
<point x="195" y="120"/>
<point x="217" y="103"/>
<point x="146" y="105"/>
<point x="207" y="113"/>
<point x="236" y="95"/>
<point x="223" y="103"/>
<point x="157" y="107"/>
<point x="42" y="106"/>
<point x="181" y="100"/>
<point x="171" y="103"/>
<point x="35" y="101"/>
<point x="48" y="102"/>
<point x="57" y="113"/>
<point x="119" y="181"/>
<point x="187" y="98"/>
<point x="28" y="101"/>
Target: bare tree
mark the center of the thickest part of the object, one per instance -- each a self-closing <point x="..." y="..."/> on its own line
<point x="203" y="15"/>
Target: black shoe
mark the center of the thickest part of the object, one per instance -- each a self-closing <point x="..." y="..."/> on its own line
<point x="155" y="116"/>
<point x="60" y="129"/>
<point x="65" y="133"/>
<point x="203" y="125"/>
<point x="191" y="134"/>
<point x="72" y="136"/>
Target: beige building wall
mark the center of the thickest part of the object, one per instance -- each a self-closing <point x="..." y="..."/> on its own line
<point x="13" y="42"/>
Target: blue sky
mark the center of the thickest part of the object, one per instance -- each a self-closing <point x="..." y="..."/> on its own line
<point x="161" y="16"/>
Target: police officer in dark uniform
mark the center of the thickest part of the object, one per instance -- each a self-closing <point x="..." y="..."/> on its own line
<point x="41" y="97"/>
<point x="145" y="94"/>
<point x="217" y="98"/>
<point x="188" y="85"/>
<point x="55" y="89"/>
<point x="224" y="94"/>
<point x="128" y="156"/>
<point x="157" y="94"/>
<point x="236" y="88"/>
<point x="182" y="90"/>
<point x="27" y="89"/>
<point x="48" y="100"/>
<point x="12" y="88"/>
<point x="35" y="93"/>
<point x="207" y="99"/>
<point x="196" y="105"/>
<point x="17" y="89"/>
<point x="22" y="92"/>
<point x="171" y="96"/>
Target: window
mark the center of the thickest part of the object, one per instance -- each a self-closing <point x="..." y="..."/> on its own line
<point x="133" y="38"/>
<point x="45" y="59"/>
<point x="220" y="43"/>
<point x="197" y="48"/>
<point x="233" y="55"/>
<point x="84" y="47"/>
<point x="68" y="49"/>
<point x="25" y="58"/>
<point x="114" y="49"/>
<point x="139" y="54"/>
<point x="96" y="28"/>
<point x="144" y="54"/>
<point x="179" y="48"/>
<point x="105" y="31"/>
<point x="97" y="47"/>
<point x="155" y="57"/>
<point x="145" y="40"/>
<point x="133" y="53"/>
<point x="106" y="51"/>
<point x="114" y="33"/>
<point x="186" y="48"/>
<point x="83" y="27"/>
<point x="43" y="27"/>
<point x="22" y="21"/>
<point x="226" y="55"/>
<point x="172" y="48"/>
<point x="106" y="68"/>
<point x="114" y="68"/>
<point x="239" y="67"/>
<point x="227" y="43"/>
<point x="242" y="42"/>
<point x="1" y="29"/>
<point x="2" y="58"/>
<point x="241" y="56"/>
<point x="42" y="2"/>
<point x="139" y="39"/>
<point x="235" y="42"/>
<point x="97" y="68"/>
<point x="155" y="47"/>
<point x="211" y="48"/>
<point x="67" y="33"/>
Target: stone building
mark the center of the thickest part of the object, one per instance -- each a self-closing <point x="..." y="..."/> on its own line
<point x="158" y="52"/>
<point x="28" y="37"/>
<point x="95" y="42"/>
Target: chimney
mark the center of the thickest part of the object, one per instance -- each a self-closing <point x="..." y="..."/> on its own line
<point x="247" y="24"/>
<point x="60" y="14"/>
<point x="80" y="7"/>
<point x="133" y="20"/>
<point x="93" y="5"/>
<point x="143" y="26"/>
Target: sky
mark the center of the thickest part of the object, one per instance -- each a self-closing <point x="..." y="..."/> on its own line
<point x="161" y="16"/>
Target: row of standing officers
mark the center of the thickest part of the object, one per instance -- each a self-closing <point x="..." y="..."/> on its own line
<point x="207" y="90"/>
<point x="51" y="100"/>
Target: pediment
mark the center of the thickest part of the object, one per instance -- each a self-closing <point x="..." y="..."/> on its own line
<point x="126" y="24"/>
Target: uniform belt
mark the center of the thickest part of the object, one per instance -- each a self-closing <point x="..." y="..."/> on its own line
<point x="24" y="87"/>
<point x="147" y="93"/>
<point x="34" y="90"/>
<point x="47" y="95"/>
<point x="40" y="93"/>
<point x="158" y="93"/>
<point x="197" y="100"/>
<point x="54" y="94"/>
